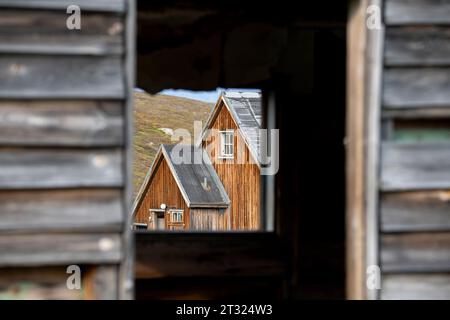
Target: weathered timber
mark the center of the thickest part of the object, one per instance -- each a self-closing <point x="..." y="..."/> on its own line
<point x="415" y="211"/>
<point x="59" y="249"/>
<point x="48" y="76"/>
<point x="417" y="46"/>
<point x="416" y="287"/>
<point x="61" y="123"/>
<point x="417" y="12"/>
<point x="65" y="168"/>
<point x="57" y="210"/>
<point x="45" y="32"/>
<point x="416" y="87"/>
<point x="415" y="166"/>
<point x="415" y="252"/>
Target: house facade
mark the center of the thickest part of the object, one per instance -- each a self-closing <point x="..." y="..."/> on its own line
<point x="211" y="186"/>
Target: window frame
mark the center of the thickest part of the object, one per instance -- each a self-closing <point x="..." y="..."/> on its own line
<point x="223" y="144"/>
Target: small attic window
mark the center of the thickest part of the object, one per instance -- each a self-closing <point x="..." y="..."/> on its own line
<point x="226" y="144"/>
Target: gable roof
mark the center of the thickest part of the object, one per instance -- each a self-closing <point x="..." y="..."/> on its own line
<point x="246" y="110"/>
<point x="195" y="176"/>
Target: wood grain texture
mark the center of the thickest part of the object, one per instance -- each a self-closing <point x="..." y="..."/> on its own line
<point x="417" y="12"/>
<point x="45" y="32"/>
<point x="415" y="252"/>
<point x="208" y="219"/>
<point x="70" y="210"/>
<point x="216" y="254"/>
<point x="61" y="123"/>
<point x="161" y="189"/>
<point x="416" y="287"/>
<point x="415" y="166"/>
<point x="36" y="169"/>
<point x="415" y="211"/>
<point x="57" y="249"/>
<point x="417" y="46"/>
<point x="425" y="113"/>
<point x="416" y="87"/>
<point x="88" y="5"/>
<point x="24" y="77"/>
<point x="240" y="176"/>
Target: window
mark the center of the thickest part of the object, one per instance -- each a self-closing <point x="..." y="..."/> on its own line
<point x="226" y="144"/>
<point x="176" y="216"/>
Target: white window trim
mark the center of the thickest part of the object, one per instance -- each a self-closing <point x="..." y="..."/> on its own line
<point x="171" y="212"/>
<point x="222" y="135"/>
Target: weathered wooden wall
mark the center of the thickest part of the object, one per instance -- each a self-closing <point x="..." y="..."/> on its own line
<point x="405" y="151"/>
<point x="415" y="180"/>
<point x="65" y="101"/>
<point x="240" y="178"/>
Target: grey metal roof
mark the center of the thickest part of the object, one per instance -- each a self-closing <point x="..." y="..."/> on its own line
<point x="246" y="109"/>
<point x="196" y="177"/>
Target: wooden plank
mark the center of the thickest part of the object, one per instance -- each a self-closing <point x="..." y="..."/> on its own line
<point x="85" y="5"/>
<point x="416" y="87"/>
<point x="415" y="211"/>
<point x="417" y="46"/>
<point x="35" y="169"/>
<point x="355" y="153"/>
<point x="415" y="166"/>
<point x="61" y="123"/>
<point x="69" y="210"/>
<point x="415" y="252"/>
<point x="416" y="287"/>
<point x="54" y="77"/>
<point x="416" y="113"/>
<point x="399" y="12"/>
<point x="45" y="32"/>
<point x="126" y="269"/>
<point x="216" y="254"/>
<point x="57" y="249"/>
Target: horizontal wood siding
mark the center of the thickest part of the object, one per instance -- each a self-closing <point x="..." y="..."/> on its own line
<point x="62" y="123"/>
<point x="416" y="252"/>
<point x="415" y="211"/>
<point x="53" y="76"/>
<point x="45" y="32"/>
<point x="47" y="168"/>
<point x="58" y="210"/>
<point x="64" y="148"/>
<point x="162" y="189"/>
<point x="416" y="287"/>
<point x="59" y="249"/>
<point x="242" y="180"/>
<point x="399" y="12"/>
<point x="87" y="5"/>
<point x="415" y="176"/>
<point x="415" y="166"/>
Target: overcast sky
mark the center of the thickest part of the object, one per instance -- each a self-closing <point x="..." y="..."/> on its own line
<point x="208" y="96"/>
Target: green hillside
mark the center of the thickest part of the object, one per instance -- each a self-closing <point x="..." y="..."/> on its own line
<point x="153" y="113"/>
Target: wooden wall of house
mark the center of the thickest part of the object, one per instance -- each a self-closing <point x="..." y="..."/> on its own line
<point x="65" y="101"/>
<point x="415" y="151"/>
<point x="241" y="180"/>
<point x="209" y="219"/>
<point x="162" y="189"/>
